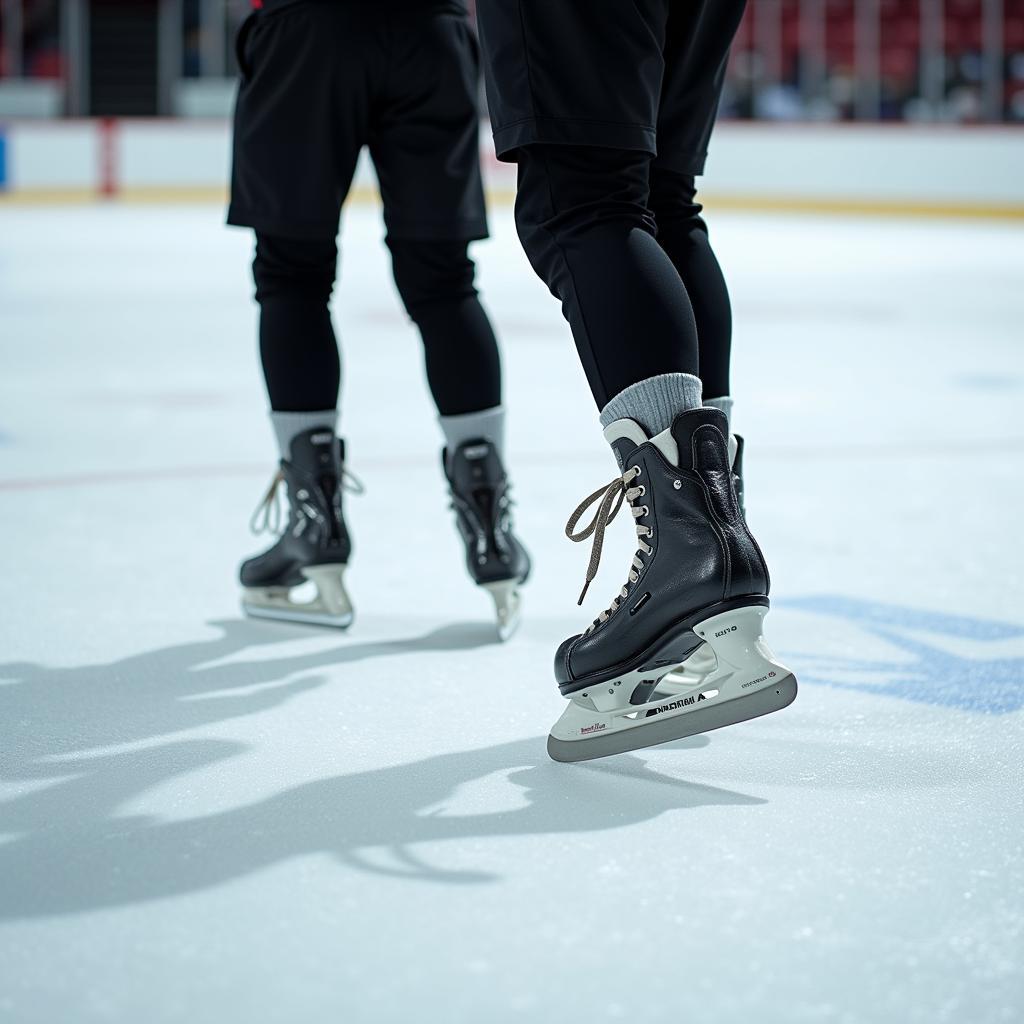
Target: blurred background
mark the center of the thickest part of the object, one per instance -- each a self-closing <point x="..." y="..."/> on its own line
<point x="959" y="61"/>
<point x="863" y="98"/>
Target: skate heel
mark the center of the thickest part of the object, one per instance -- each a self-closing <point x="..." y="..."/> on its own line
<point x="330" y="606"/>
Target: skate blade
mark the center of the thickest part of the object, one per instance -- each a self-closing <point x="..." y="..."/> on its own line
<point x="330" y="607"/>
<point x="665" y="730"/>
<point x="507" y="605"/>
<point x="747" y="682"/>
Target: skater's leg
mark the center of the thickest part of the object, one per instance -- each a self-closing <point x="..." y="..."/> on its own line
<point x="308" y="75"/>
<point x="435" y="280"/>
<point x="424" y="141"/>
<point x="696" y="50"/>
<point x="583" y="218"/>
<point x="683" y="235"/>
<point x="298" y="350"/>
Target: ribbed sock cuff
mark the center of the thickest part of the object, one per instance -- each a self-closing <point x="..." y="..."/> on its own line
<point x="485" y="425"/>
<point x="654" y="403"/>
<point x="724" y="404"/>
<point x="288" y="425"/>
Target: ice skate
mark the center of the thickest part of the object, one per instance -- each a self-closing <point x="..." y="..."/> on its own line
<point x="314" y="546"/>
<point x="495" y="558"/>
<point x="698" y="578"/>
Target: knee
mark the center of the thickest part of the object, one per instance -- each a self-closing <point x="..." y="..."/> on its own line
<point x="673" y="200"/>
<point x="566" y="192"/>
<point x="288" y="266"/>
<point x="430" y="274"/>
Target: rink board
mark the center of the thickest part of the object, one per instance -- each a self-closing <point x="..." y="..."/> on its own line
<point x="816" y="168"/>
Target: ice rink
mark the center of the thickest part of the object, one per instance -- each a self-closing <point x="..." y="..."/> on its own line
<point x="211" y="819"/>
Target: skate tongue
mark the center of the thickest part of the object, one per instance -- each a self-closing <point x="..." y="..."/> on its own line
<point x="626" y="435"/>
<point x="702" y="436"/>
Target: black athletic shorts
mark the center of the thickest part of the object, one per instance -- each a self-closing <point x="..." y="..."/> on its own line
<point x="320" y="80"/>
<point x="627" y="74"/>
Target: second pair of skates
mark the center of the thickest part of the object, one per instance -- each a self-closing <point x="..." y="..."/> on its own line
<point x="315" y="547"/>
<point x="680" y="651"/>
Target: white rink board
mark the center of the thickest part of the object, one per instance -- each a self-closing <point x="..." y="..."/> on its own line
<point x="216" y="820"/>
<point x="887" y="164"/>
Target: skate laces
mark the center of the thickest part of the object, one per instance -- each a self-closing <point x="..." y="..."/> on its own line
<point x="267" y="517"/>
<point x="609" y="500"/>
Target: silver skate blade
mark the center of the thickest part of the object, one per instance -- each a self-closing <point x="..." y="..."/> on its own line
<point x="507" y="605"/>
<point x="716" y="716"/>
<point x="259" y="611"/>
<point x="330" y="607"/>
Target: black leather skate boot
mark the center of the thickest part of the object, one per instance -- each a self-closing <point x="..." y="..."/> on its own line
<point x="314" y="545"/>
<point x="697" y="577"/>
<point x="495" y="557"/>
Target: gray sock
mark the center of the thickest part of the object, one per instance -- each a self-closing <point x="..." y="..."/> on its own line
<point x="486" y="425"/>
<point x="724" y="404"/>
<point x="654" y="403"/>
<point x="288" y="425"/>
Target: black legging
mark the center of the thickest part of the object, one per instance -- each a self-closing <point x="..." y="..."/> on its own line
<point x="294" y="279"/>
<point x="625" y="251"/>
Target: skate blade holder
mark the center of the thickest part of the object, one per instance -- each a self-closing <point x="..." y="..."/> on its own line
<point x="330" y="605"/>
<point x="747" y="682"/>
<point x="507" y="606"/>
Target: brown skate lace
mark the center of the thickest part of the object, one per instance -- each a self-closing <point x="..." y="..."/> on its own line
<point x="610" y="499"/>
<point x="267" y="516"/>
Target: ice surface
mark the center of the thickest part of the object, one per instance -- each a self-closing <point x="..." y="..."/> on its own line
<point x="210" y="819"/>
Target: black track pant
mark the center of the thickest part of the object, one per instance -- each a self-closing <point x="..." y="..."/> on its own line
<point x="620" y="242"/>
<point x="294" y="279"/>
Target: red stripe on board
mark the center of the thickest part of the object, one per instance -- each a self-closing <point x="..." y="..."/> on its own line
<point x="108" y="156"/>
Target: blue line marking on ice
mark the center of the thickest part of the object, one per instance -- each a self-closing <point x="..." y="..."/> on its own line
<point x="3" y="159"/>
<point x="926" y="674"/>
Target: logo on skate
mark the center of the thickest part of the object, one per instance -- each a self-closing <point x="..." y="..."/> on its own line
<point x="588" y="729"/>
<point x="759" y="679"/>
<point x="684" y="702"/>
<point x="722" y="632"/>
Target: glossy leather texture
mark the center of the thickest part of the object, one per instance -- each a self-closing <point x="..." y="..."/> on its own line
<point x="483" y="510"/>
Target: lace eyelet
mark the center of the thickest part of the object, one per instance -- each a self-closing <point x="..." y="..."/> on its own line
<point x="646" y="511"/>
<point x="643" y="491"/>
<point x="636" y="470"/>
